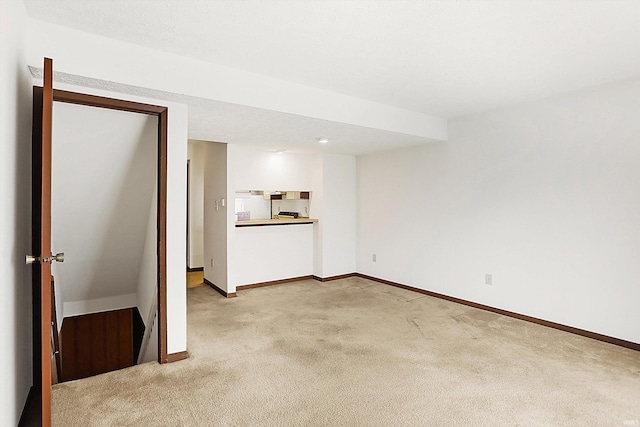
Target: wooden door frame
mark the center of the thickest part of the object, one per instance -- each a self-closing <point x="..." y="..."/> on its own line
<point x="188" y="215"/>
<point x="161" y="112"/>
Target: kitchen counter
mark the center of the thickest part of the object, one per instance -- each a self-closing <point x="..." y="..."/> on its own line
<point x="267" y="222"/>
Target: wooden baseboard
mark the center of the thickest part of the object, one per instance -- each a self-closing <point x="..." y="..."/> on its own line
<point x="273" y="282"/>
<point x="174" y="357"/>
<point x="329" y="279"/>
<point x="192" y="269"/>
<point x="220" y="291"/>
<point x="559" y="326"/>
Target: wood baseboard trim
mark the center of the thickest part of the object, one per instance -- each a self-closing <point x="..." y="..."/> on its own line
<point x="220" y="291"/>
<point x="559" y="326"/>
<point x="330" y="278"/>
<point x="192" y="269"/>
<point x="174" y="357"/>
<point x="273" y="282"/>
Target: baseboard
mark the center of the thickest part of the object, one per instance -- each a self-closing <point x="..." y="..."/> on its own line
<point x="559" y="326"/>
<point x="31" y="412"/>
<point x="174" y="357"/>
<point x="273" y="282"/>
<point x="191" y="270"/>
<point x="329" y="279"/>
<point x="220" y="291"/>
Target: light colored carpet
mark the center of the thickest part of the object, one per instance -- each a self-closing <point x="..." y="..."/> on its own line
<point x="356" y="352"/>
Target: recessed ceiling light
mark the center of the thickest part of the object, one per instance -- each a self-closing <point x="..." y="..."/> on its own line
<point x="280" y="151"/>
<point x="323" y="140"/>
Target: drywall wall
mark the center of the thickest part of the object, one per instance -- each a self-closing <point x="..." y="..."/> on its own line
<point x="176" y="211"/>
<point x="149" y="348"/>
<point x="264" y="254"/>
<point x="147" y="287"/>
<point x="316" y="211"/>
<point x="543" y="196"/>
<point x="15" y="217"/>
<point x="196" y="203"/>
<point x="257" y="169"/>
<point x="94" y="56"/>
<point x="98" y="305"/>
<point x="215" y="214"/>
<point x="103" y="178"/>
<point x="176" y="226"/>
<point x="338" y="218"/>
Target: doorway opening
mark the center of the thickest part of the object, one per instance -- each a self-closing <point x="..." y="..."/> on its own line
<point x="104" y="217"/>
<point x="41" y="345"/>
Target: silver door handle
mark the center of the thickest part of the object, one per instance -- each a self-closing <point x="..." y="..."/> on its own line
<point x="32" y="259"/>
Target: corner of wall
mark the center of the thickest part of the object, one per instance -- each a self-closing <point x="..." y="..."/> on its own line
<point x="230" y="211"/>
<point x="216" y="218"/>
<point x="15" y="213"/>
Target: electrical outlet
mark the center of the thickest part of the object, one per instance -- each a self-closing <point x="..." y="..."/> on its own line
<point x="488" y="279"/>
<point x="374" y="258"/>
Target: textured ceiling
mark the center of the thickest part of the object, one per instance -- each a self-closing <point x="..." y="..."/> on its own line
<point x="211" y="120"/>
<point x="443" y="58"/>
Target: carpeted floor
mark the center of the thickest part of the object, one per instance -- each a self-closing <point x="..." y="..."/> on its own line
<point x="356" y="352"/>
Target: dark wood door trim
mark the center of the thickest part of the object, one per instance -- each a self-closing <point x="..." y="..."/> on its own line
<point x="161" y="113"/>
<point x="174" y="357"/>
<point x="36" y="201"/>
<point x="103" y="102"/>
<point x="45" y="242"/>
<point x="188" y="211"/>
<point x="162" y="235"/>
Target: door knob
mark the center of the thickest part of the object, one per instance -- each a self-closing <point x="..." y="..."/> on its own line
<point x="30" y="259"/>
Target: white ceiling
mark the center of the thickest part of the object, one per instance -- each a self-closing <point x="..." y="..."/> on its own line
<point x="217" y="121"/>
<point x="442" y="58"/>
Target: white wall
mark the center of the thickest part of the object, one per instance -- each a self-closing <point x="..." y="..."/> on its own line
<point x="86" y="54"/>
<point x="256" y="205"/>
<point x="103" y="180"/>
<point x="98" y="305"/>
<point x="15" y="218"/>
<point x="316" y="210"/>
<point x="257" y="169"/>
<point x="196" y="200"/>
<point x="149" y="348"/>
<point x="215" y="220"/>
<point x="544" y="196"/>
<point x="334" y="204"/>
<point x="147" y="286"/>
<point x="176" y="226"/>
<point x="338" y="215"/>
<point x="264" y="254"/>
